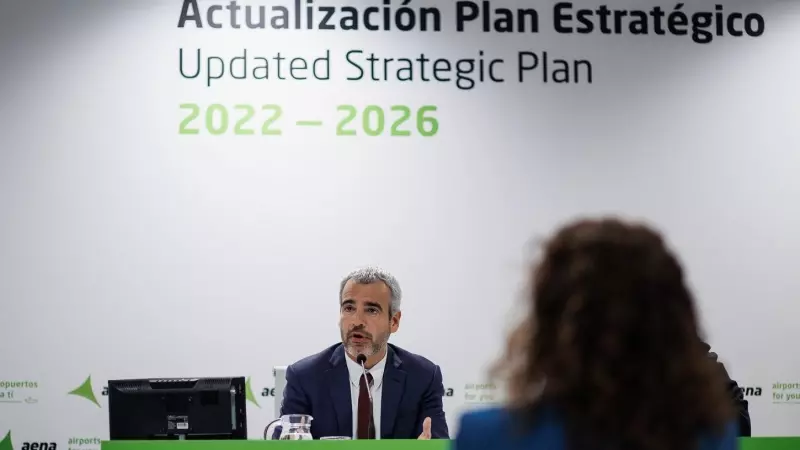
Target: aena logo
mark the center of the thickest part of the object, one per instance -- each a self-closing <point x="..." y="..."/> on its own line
<point x="86" y="391"/>
<point x="268" y="392"/>
<point x="751" y="391"/>
<point x="248" y="390"/>
<point x="6" y="444"/>
<point x="38" y="446"/>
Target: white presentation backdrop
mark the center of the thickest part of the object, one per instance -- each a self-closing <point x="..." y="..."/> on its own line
<point x="129" y="249"/>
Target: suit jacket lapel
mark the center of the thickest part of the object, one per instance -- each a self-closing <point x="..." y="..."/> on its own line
<point x="339" y="388"/>
<point x="394" y="380"/>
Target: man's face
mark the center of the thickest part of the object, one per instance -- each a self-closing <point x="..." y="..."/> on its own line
<point x="364" y="319"/>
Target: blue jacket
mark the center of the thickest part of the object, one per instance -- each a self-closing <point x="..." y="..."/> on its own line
<point x="319" y="385"/>
<point x="492" y="429"/>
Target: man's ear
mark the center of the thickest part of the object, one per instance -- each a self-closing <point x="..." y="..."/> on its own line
<point x="394" y="322"/>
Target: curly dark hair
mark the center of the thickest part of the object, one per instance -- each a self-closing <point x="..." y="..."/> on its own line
<point x="612" y="341"/>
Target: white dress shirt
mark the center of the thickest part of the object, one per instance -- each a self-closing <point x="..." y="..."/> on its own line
<point x="356" y="372"/>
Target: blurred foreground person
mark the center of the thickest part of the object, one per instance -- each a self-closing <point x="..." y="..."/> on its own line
<point x="610" y="355"/>
<point x="736" y="394"/>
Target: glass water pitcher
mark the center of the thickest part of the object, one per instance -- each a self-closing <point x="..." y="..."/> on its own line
<point x="290" y="427"/>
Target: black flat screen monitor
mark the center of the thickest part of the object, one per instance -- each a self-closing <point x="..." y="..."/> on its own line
<point x="177" y="408"/>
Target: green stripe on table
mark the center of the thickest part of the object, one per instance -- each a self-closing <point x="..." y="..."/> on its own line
<point x="776" y="443"/>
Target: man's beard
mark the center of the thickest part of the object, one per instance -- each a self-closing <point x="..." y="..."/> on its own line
<point x="373" y="347"/>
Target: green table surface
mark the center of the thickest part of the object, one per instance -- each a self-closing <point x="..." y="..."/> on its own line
<point x="777" y="443"/>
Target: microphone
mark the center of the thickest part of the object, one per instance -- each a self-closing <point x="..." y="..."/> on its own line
<point x="361" y="359"/>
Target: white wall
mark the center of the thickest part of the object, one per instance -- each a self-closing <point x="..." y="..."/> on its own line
<point x="127" y="250"/>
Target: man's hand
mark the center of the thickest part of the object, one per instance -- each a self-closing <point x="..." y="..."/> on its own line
<point x="426" y="429"/>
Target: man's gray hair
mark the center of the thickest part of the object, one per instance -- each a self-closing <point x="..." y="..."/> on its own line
<point x="369" y="275"/>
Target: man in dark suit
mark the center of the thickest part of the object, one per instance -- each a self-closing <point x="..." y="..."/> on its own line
<point x="401" y="397"/>
<point x="737" y="396"/>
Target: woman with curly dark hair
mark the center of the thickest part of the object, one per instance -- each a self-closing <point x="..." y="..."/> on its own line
<point x="610" y="356"/>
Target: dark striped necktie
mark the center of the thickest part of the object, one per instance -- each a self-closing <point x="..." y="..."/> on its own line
<point x="366" y="429"/>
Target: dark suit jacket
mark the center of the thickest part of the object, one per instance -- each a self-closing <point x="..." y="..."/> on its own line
<point x="319" y="385"/>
